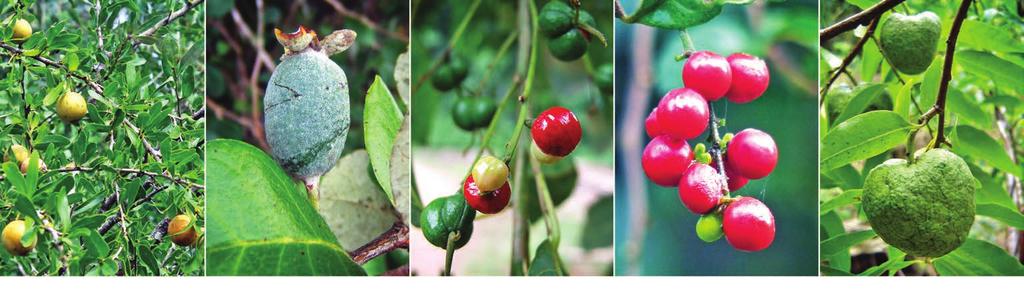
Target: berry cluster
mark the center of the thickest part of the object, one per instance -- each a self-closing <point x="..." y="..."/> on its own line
<point x="562" y="24"/>
<point x="555" y="132"/>
<point x="684" y="114"/>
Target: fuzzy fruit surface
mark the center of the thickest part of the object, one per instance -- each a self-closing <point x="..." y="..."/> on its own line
<point x="181" y="231"/>
<point x="735" y="180"/>
<point x="910" y="41"/>
<point x="12" y="234"/>
<point x="651" y="124"/>
<point x="22" y="30"/>
<point x="749" y="78"/>
<point x="490" y="173"/>
<point x="664" y="160"/>
<point x="556" y="131"/>
<point x="700" y="188"/>
<point x="486" y="202"/>
<point x="707" y="73"/>
<point x="605" y="78"/>
<point x="306" y="111"/>
<point x="709" y="227"/>
<point x="445" y="215"/>
<point x="71" y="107"/>
<point x="472" y="114"/>
<point x="752" y="154"/>
<point x="683" y="113"/>
<point x="924" y="208"/>
<point x="748" y="224"/>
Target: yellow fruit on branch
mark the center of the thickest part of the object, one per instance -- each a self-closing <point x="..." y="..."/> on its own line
<point x="24" y="165"/>
<point x="12" y="238"/>
<point x="71" y="107"/>
<point x="22" y="30"/>
<point x="20" y="153"/>
<point x="181" y="230"/>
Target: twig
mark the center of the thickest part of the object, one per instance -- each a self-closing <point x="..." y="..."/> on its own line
<point x="716" y="148"/>
<point x="179" y="181"/>
<point x="860" y="18"/>
<point x="849" y="57"/>
<point x="395" y="237"/>
<point x="55" y="235"/>
<point x="401" y="271"/>
<point x="170" y="18"/>
<point x="341" y="9"/>
<point x="116" y="218"/>
<point x="54" y="64"/>
<point x="947" y="68"/>
<point x="160" y="230"/>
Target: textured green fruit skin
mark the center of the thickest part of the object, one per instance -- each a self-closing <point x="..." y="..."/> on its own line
<point x="709" y="227"/>
<point x="555" y="18"/>
<point x="306" y="110"/>
<point x="444" y="215"/>
<point x="926" y="208"/>
<point x="909" y="41"/>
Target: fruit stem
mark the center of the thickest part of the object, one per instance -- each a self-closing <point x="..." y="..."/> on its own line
<point x="520" y="221"/>
<point x="947" y="67"/>
<point x="524" y="106"/>
<point x="688" y="46"/>
<point x="494" y="122"/>
<point x="449" y="253"/>
<point x="546" y="205"/>
<point x="716" y="149"/>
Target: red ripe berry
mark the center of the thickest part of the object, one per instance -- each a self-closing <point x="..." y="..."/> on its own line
<point x="556" y="131"/>
<point x="749" y="78"/>
<point x="665" y="158"/>
<point x="748" y="224"/>
<point x="736" y="181"/>
<point x="682" y="113"/>
<point x="486" y="202"/>
<point x="707" y="73"/>
<point x="700" y="188"/>
<point x="752" y="154"/>
<point x="651" y="124"/>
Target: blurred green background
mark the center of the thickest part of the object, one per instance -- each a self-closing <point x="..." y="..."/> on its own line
<point x="785" y="36"/>
<point x="439" y="146"/>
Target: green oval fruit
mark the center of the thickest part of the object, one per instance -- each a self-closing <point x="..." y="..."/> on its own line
<point x="306" y="109"/>
<point x="443" y="79"/>
<point x="909" y="41"/>
<point x="483" y="112"/>
<point x="569" y="46"/>
<point x="459" y="68"/>
<point x="604" y="77"/>
<point x="924" y="208"/>
<point x="462" y="113"/>
<point x="555" y="18"/>
<point x="445" y="215"/>
<point x="709" y="227"/>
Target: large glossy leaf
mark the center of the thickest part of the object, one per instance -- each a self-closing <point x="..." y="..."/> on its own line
<point x="831" y="226"/>
<point x="862" y="137"/>
<point x="381" y="120"/>
<point x="260" y="222"/>
<point x="903" y="100"/>
<point x="968" y="109"/>
<point x="1006" y="215"/>
<point x="978" y="258"/>
<point x="984" y="36"/>
<point x="862" y="97"/>
<point x="355" y="209"/>
<point x="978" y="144"/>
<point x="930" y="84"/>
<point x="546" y="262"/>
<point x="845" y="241"/>
<point x="1005" y="74"/>
<point x="678" y="14"/>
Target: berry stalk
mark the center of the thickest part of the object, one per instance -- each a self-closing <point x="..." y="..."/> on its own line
<point x="716" y="148"/>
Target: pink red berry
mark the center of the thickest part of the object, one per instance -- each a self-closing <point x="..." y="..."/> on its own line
<point x="556" y="131"/>
<point x="682" y="113"/>
<point x="700" y="188"/>
<point x="665" y="158"/>
<point x="752" y="154"/>
<point x="736" y="181"/>
<point x="651" y="124"/>
<point x="749" y="78"/>
<point x="748" y="224"/>
<point x="486" y="202"/>
<point x="707" y="73"/>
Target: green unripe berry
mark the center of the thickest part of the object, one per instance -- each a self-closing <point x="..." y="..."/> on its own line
<point x="709" y="227"/>
<point x="445" y="215"/>
<point x="555" y="18"/>
<point x="704" y="158"/>
<point x="726" y="138"/>
<point x="700" y="148"/>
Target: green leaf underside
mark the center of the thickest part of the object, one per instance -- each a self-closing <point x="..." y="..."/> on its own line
<point x="261" y="223"/>
<point x="675" y="14"/>
<point x="382" y="118"/>
<point x="978" y="258"/>
<point x="351" y="204"/>
<point x="862" y="137"/>
<point x="844" y="242"/>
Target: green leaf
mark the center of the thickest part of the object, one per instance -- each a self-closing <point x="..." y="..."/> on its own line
<point x="64" y="211"/>
<point x="831" y="226"/>
<point x="71" y="61"/>
<point x="975" y="143"/>
<point x="984" y="36"/>
<point x="901" y="104"/>
<point x="930" y="84"/>
<point x="261" y="222"/>
<point x="546" y="262"/>
<point x="676" y="14"/>
<point x="53" y="93"/>
<point x="97" y="247"/>
<point x="845" y="241"/>
<point x="862" y="137"/>
<point x="597" y="229"/>
<point x="381" y="120"/>
<point x="862" y="97"/>
<point x="401" y="159"/>
<point x="1003" y="73"/>
<point x="353" y="207"/>
<point x="30" y="235"/>
<point x="848" y="197"/>
<point x="967" y="109"/>
<point x="1006" y="215"/>
<point x="834" y="272"/>
<point x="978" y="258"/>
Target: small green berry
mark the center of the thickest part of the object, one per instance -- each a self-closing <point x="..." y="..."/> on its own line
<point x="709" y="227"/>
<point x="726" y="138"/>
<point x="700" y="148"/>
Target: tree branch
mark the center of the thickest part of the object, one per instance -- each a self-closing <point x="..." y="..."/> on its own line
<point x="849" y="58"/>
<point x="116" y="218"/>
<point x="860" y="18"/>
<point x="163" y="22"/>
<point x="54" y="64"/>
<point x="395" y="237"/>
<point x="341" y="9"/>
<point x="947" y="68"/>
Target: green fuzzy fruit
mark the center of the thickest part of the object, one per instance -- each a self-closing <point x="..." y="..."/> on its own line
<point x="924" y="208"/>
<point x="556" y="18"/>
<point x="569" y="46"/>
<point x="306" y="109"/>
<point x="909" y="41"/>
<point x="604" y="77"/>
<point x="709" y="227"/>
<point x="445" y="215"/>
